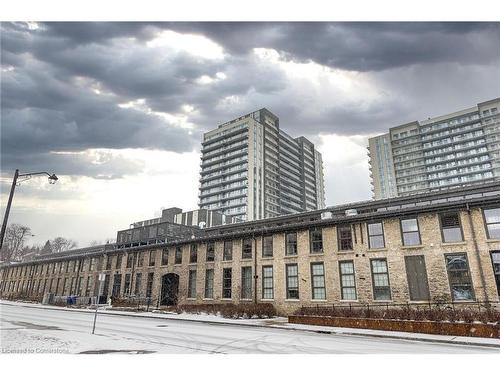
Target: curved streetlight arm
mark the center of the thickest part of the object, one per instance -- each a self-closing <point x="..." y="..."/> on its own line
<point x="34" y="174"/>
<point x="52" y="179"/>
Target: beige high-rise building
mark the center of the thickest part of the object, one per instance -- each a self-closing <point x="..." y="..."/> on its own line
<point x="452" y="150"/>
<point x="251" y="169"/>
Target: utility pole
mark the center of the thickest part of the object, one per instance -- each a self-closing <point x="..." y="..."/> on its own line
<point x="7" y="210"/>
<point x="102" y="276"/>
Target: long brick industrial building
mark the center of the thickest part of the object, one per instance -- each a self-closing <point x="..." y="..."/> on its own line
<point x="442" y="246"/>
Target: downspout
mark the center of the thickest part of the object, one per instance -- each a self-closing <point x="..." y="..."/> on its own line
<point x="476" y="251"/>
<point x="136" y="259"/>
<point x="255" y="271"/>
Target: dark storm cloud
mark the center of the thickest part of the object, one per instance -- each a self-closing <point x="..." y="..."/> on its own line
<point x="48" y="100"/>
<point x="360" y="46"/>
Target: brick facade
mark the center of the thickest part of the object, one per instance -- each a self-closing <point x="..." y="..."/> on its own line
<point x="476" y="244"/>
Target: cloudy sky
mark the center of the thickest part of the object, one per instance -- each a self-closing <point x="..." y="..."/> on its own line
<point x="117" y="110"/>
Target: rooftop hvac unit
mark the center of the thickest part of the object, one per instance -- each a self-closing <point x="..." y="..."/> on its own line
<point x="351" y="212"/>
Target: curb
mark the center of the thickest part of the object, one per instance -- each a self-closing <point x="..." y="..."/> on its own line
<point x="310" y="330"/>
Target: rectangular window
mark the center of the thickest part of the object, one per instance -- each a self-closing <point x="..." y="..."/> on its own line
<point x="267" y="282"/>
<point x="376" y="235"/>
<point x="227" y="275"/>
<point x="291" y="243"/>
<point x="192" y="284"/>
<point x="316" y="238"/>
<point x="149" y="286"/>
<point x="88" y="289"/>
<point x="72" y="287"/>
<point x="107" y="280"/>
<point x="267" y="246"/>
<point x="164" y="257"/>
<point x="92" y="264"/>
<point x="410" y="232"/>
<point x="210" y="252"/>
<point x="108" y="263"/>
<point x="292" y="281"/>
<point x="318" y="281"/>
<point x="347" y="280"/>
<point x="117" y="285"/>
<point x="119" y="258"/>
<point x="228" y="250"/>
<point x="127" y="284"/>
<point x="140" y="259"/>
<point x="130" y="260"/>
<point x="459" y="277"/>
<point x="178" y="255"/>
<point x="246" y="282"/>
<point x="193" y="253"/>
<point x="344" y="235"/>
<point x="450" y="227"/>
<point x="152" y="258"/>
<point x="492" y="218"/>
<point x="209" y="283"/>
<point x="246" y="248"/>
<point x="380" y="279"/>
<point x="138" y="284"/>
<point x="63" y="292"/>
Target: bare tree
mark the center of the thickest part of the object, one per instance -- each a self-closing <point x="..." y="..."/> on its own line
<point x="13" y="246"/>
<point x="46" y="249"/>
<point x="59" y="244"/>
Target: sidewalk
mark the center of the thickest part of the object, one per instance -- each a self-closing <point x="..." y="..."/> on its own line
<point x="277" y="323"/>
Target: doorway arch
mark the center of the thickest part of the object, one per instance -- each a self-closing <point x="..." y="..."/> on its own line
<point x="169" y="289"/>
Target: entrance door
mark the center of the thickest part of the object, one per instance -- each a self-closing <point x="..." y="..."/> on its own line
<point x="495" y="258"/>
<point x="417" y="278"/>
<point x="169" y="289"/>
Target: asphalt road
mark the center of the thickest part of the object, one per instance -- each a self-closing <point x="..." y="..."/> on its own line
<point x="38" y="330"/>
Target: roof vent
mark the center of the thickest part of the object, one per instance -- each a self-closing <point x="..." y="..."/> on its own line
<point x="326" y="215"/>
<point x="351" y="212"/>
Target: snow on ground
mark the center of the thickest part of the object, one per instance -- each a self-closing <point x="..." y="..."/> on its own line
<point x="38" y="329"/>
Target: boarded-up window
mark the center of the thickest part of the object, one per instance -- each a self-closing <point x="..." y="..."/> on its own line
<point x="192" y="284"/>
<point x="246" y="282"/>
<point x="417" y="278"/>
<point x="209" y="283"/>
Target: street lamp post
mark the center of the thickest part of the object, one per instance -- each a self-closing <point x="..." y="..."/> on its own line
<point x="52" y="180"/>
